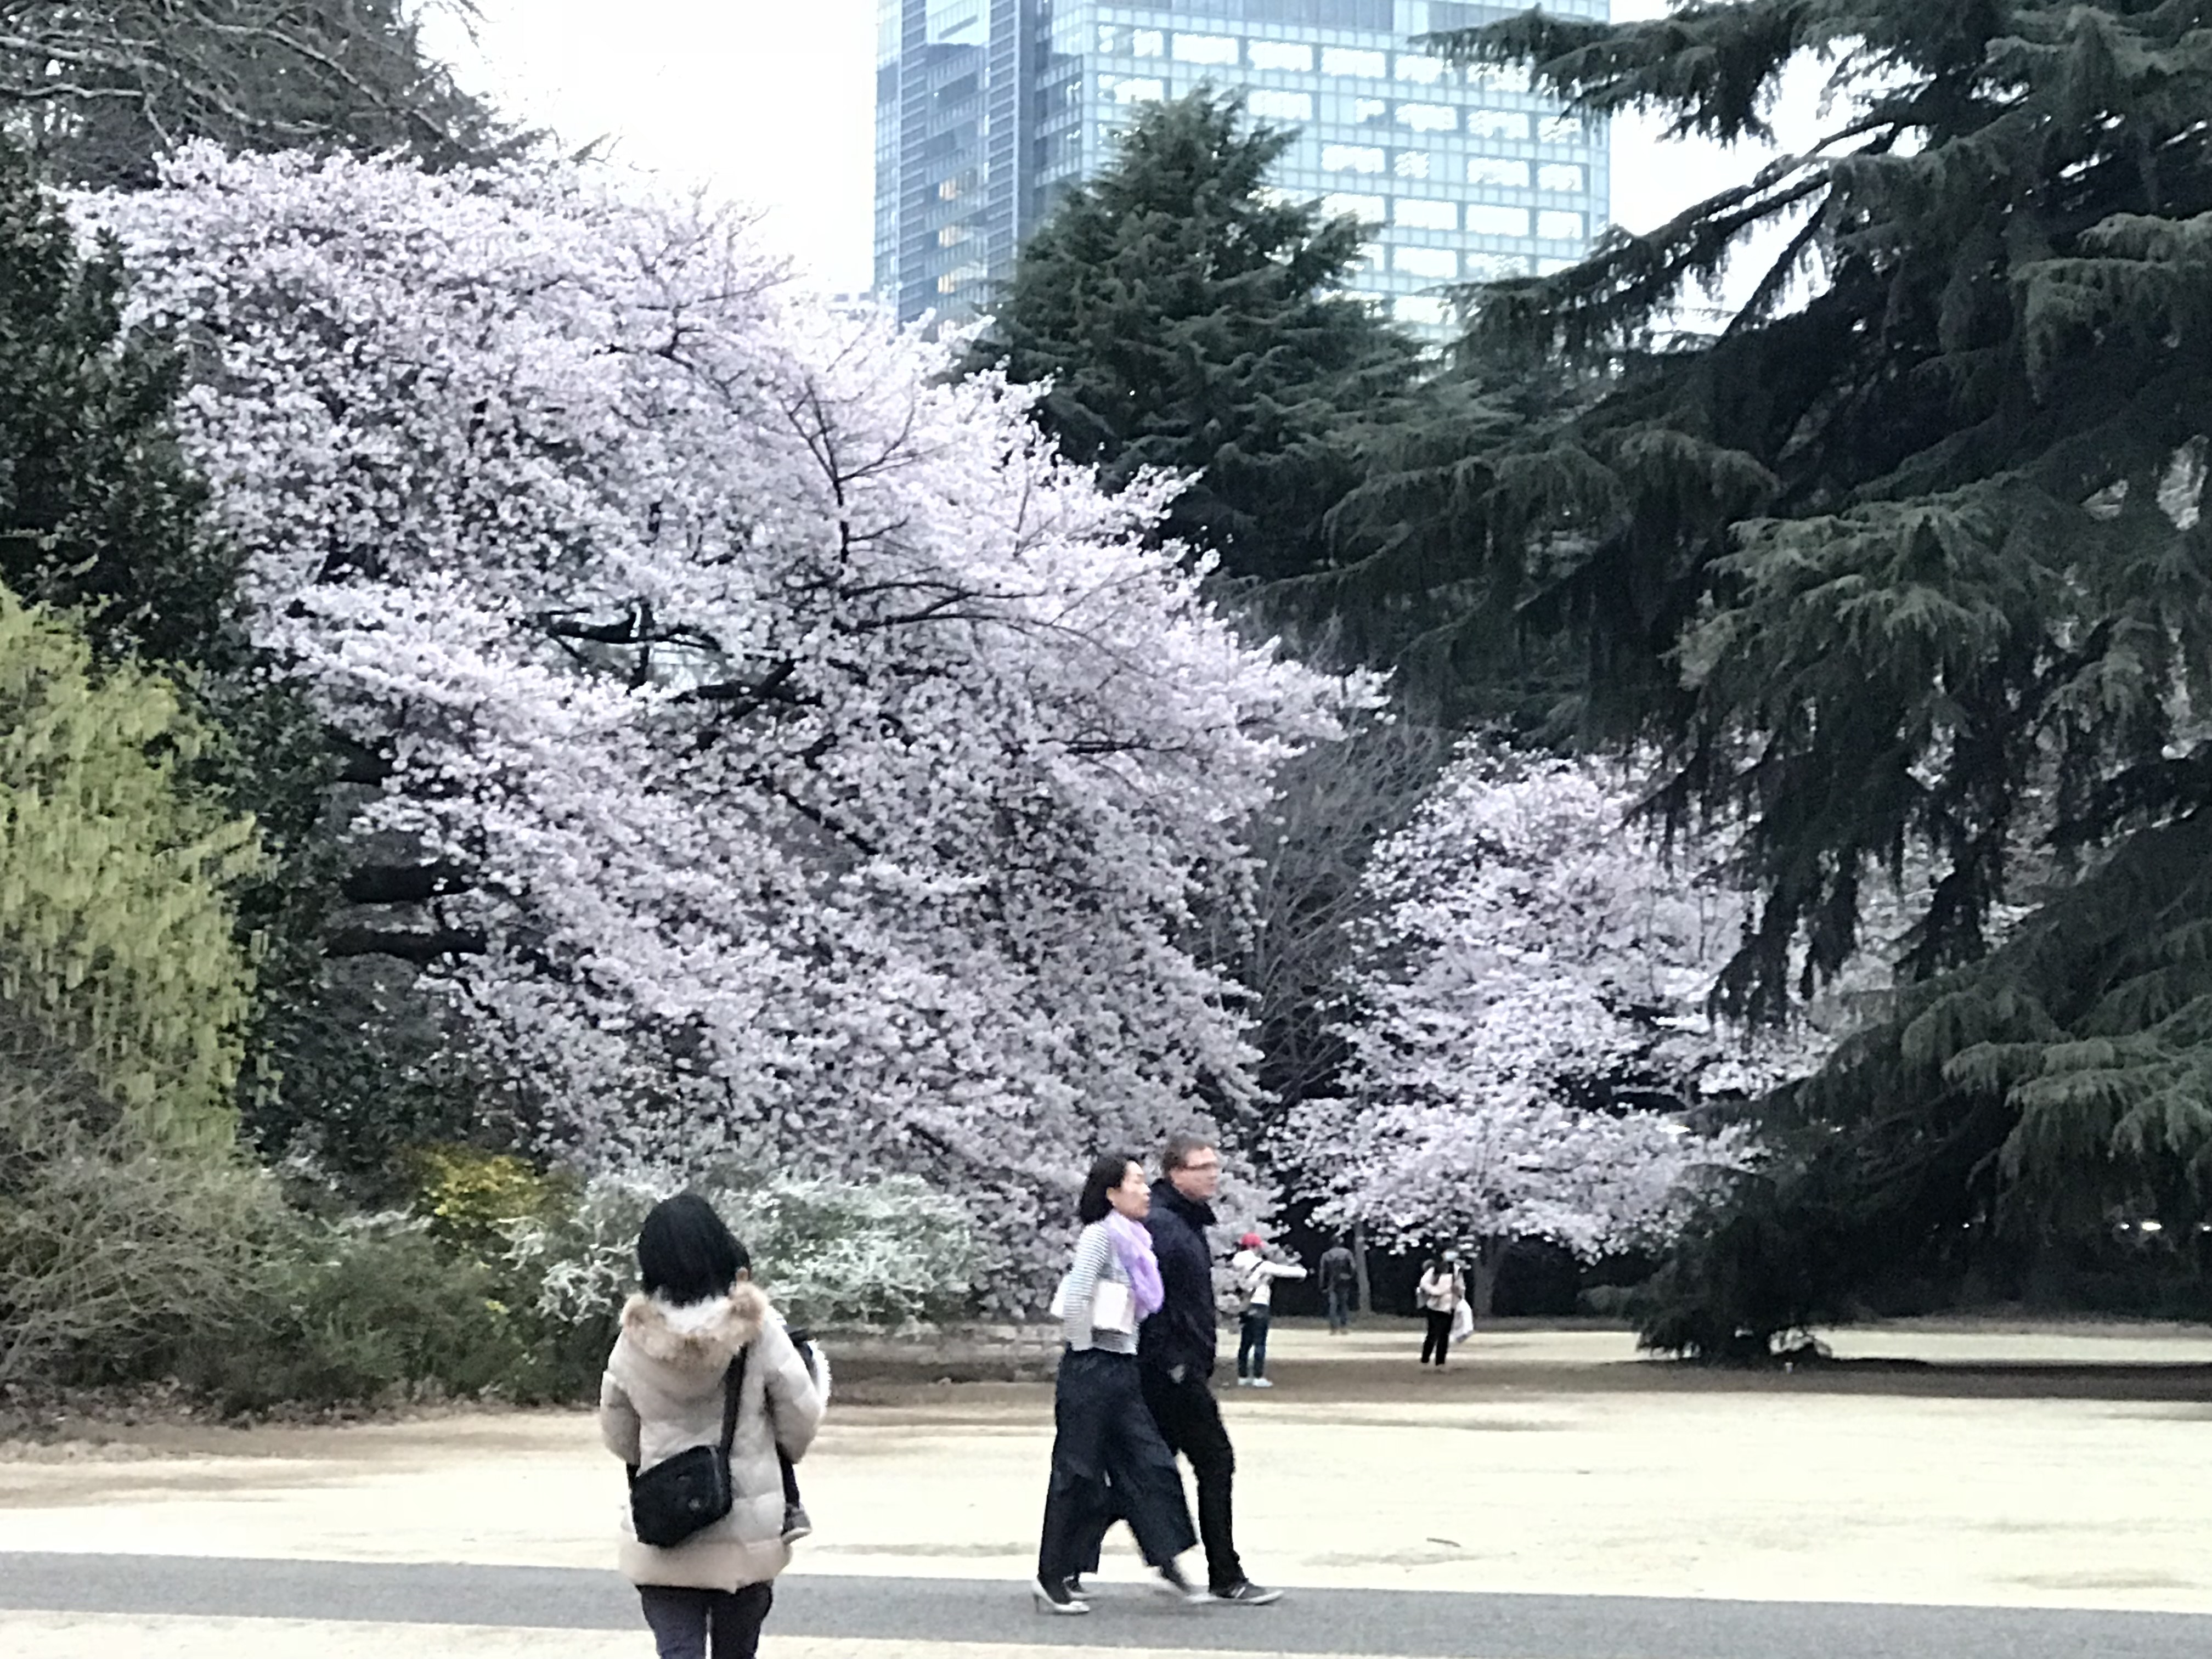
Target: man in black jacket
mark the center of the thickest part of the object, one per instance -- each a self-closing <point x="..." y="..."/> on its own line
<point x="1174" y="1354"/>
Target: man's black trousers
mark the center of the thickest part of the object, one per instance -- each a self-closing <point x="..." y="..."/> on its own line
<point x="1190" y="1422"/>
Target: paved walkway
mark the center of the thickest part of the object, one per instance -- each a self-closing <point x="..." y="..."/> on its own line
<point x="62" y="1607"/>
<point x="1548" y="1498"/>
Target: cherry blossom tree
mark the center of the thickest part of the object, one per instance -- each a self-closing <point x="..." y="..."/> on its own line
<point x="1526" y="1021"/>
<point x="776" y="747"/>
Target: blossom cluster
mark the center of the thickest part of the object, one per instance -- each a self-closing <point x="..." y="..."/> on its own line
<point x="816" y="763"/>
<point x="1527" y="1020"/>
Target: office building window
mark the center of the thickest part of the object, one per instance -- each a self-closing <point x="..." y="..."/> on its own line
<point x="1368" y="210"/>
<point x="1411" y="164"/>
<point x="1556" y="226"/>
<point x="1418" y="215"/>
<point x="1497" y="124"/>
<point x="1421" y="70"/>
<point x="1280" y="55"/>
<point x="1437" y="264"/>
<point x="1502" y="175"/>
<point x="1497" y="221"/>
<point x="1130" y="88"/>
<point x="1148" y="43"/>
<point x="1429" y="118"/>
<point x="1495" y="267"/>
<point x="1352" y="60"/>
<point x="1204" y="48"/>
<point x="1560" y="175"/>
<point x="1423" y="310"/>
<point x="1272" y="106"/>
<point x="1351" y="158"/>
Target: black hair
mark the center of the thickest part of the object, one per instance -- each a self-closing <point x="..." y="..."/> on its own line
<point x="684" y="1253"/>
<point x="1107" y="1171"/>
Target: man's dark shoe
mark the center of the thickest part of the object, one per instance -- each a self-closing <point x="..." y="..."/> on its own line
<point x="1246" y="1594"/>
<point x="1171" y="1579"/>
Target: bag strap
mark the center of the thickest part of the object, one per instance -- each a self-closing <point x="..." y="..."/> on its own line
<point x="733" y="1382"/>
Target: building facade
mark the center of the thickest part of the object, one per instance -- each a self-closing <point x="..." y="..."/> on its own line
<point x="987" y="110"/>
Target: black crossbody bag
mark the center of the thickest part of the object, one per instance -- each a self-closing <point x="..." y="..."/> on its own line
<point x="692" y="1490"/>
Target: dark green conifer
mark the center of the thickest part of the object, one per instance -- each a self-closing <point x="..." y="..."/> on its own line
<point x="1188" y="319"/>
<point x="1910" y="558"/>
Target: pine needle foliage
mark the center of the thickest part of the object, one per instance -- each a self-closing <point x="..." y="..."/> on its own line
<point x="1882" y="562"/>
<point x="1908" y="558"/>
<point x="98" y="513"/>
<point x="1187" y="319"/>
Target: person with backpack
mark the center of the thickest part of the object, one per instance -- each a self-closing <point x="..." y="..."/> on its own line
<point x="1440" y="1294"/>
<point x="705" y="1395"/>
<point x="1255" y="1273"/>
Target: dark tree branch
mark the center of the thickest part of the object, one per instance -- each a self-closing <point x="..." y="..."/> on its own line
<point x="422" y="946"/>
<point x="358" y="763"/>
<point x="404" y="883"/>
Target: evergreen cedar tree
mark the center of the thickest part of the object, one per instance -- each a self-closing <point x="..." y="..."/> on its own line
<point x="98" y="513"/>
<point x="1189" y="321"/>
<point x="1917" y="560"/>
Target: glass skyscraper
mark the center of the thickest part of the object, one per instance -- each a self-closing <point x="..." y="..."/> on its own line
<point x="987" y="110"/>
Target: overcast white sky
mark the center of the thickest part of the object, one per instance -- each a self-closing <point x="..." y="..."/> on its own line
<point x="773" y="103"/>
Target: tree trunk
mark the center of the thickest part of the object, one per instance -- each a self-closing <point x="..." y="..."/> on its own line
<point x="1488" y="1254"/>
<point x="1359" y="1269"/>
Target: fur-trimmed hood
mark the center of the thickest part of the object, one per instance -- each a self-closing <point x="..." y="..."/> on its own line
<point x="697" y="1335"/>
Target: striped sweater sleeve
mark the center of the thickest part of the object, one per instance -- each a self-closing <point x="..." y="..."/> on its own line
<point x="1092" y="1250"/>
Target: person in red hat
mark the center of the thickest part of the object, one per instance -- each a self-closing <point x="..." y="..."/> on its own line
<point x="1256" y="1272"/>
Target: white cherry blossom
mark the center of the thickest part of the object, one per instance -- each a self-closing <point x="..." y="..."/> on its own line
<point x="824" y="767"/>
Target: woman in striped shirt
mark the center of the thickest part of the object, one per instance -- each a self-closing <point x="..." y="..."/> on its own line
<point x="1108" y="1458"/>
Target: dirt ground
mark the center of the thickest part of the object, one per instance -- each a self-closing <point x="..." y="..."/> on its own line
<point x="1973" y="1464"/>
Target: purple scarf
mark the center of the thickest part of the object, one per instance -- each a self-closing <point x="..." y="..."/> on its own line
<point x="1133" y="1247"/>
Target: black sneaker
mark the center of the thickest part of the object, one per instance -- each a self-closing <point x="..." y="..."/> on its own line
<point x="796" y="1526"/>
<point x="1171" y="1579"/>
<point x="1052" y="1596"/>
<point x="1245" y="1593"/>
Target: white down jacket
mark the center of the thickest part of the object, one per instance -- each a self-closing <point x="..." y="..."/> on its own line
<point x="662" y="1394"/>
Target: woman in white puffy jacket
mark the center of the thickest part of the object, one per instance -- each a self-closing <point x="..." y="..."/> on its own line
<point x="663" y="1394"/>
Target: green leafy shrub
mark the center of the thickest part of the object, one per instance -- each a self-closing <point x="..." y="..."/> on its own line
<point x="376" y="1308"/>
<point x="115" y="1250"/>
